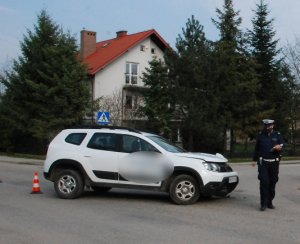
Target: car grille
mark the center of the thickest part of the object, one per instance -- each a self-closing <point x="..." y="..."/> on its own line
<point x="225" y="168"/>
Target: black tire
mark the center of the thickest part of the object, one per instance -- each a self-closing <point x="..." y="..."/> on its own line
<point x="101" y="188"/>
<point x="184" y="190"/>
<point x="68" y="184"/>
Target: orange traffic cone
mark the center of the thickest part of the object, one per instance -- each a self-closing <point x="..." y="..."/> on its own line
<point x="36" y="184"/>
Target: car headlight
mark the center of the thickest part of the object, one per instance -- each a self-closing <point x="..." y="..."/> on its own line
<point x="212" y="166"/>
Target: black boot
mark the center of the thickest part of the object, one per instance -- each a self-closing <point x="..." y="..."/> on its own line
<point x="271" y="206"/>
<point x="262" y="208"/>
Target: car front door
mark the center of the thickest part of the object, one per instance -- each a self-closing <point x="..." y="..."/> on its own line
<point x="130" y="145"/>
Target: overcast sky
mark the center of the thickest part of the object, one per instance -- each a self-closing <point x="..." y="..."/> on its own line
<point x="106" y="17"/>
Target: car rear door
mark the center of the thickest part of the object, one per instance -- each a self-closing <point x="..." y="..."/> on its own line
<point x="103" y="156"/>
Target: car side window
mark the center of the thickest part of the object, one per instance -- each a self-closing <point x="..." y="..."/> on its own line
<point x="132" y="144"/>
<point x="75" y="138"/>
<point x="103" y="141"/>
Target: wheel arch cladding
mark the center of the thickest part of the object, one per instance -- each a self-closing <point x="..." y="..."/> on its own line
<point x="178" y="170"/>
<point x="63" y="164"/>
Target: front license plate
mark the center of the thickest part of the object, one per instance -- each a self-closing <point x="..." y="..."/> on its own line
<point x="232" y="179"/>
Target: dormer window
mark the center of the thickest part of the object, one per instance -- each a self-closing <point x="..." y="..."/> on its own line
<point x="131" y="75"/>
<point x="106" y="44"/>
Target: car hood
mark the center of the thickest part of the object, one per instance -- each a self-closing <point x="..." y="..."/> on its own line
<point x="218" y="158"/>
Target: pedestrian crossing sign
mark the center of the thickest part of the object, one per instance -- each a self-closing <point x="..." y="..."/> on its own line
<point x="103" y="118"/>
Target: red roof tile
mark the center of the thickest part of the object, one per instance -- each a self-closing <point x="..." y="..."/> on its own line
<point x="109" y="50"/>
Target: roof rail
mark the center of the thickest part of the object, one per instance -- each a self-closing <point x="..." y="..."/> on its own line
<point x="105" y="127"/>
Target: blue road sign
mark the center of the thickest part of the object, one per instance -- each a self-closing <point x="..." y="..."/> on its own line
<point x="103" y="118"/>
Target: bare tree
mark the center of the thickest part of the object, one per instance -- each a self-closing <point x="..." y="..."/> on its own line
<point x="292" y="57"/>
<point x="118" y="108"/>
<point x="292" y="60"/>
<point x="112" y="104"/>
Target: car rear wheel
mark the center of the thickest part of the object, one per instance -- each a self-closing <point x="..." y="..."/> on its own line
<point x="184" y="190"/>
<point x="68" y="184"/>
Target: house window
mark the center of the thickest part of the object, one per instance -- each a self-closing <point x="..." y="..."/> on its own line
<point x="153" y="51"/>
<point x="135" y="101"/>
<point x="131" y="101"/>
<point x="128" y="102"/>
<point x="143" y="48"/>
<point x="131" y="73"/>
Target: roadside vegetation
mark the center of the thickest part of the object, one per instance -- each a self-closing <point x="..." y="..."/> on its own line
<point x="46" y="89"/>
<point x="216" y="92"/>
<point x="219" y="91"/>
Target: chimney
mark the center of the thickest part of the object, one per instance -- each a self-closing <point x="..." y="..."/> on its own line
<point x="88" y="43"/>
<point x="121" y="33"/>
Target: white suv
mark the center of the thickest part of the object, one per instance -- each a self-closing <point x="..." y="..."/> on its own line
<point x="96" y="158"/>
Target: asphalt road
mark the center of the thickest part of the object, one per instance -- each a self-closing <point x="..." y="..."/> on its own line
<point x="128" y="216"/>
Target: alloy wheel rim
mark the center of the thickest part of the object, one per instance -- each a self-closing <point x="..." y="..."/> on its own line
<point x="67" y="184"/>
<point x="185" y="190"/>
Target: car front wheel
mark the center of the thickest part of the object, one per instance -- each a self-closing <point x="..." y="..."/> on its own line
<point x="68" y="184"/>
<point x="184" y="190"/>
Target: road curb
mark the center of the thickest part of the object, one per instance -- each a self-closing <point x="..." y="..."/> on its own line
<point x="281" y="162"/>
<point x="23" y="161"/>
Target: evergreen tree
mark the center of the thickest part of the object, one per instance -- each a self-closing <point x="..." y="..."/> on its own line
<point x="181" y="92"/>
<point x="228" y="25"/>
<point x="235" y="78"/>
<point x="264" y="46"/>
<point x="194" y="88"/>
<point x="159" y="97"/>
<point x="47" y="89"/>
<point x="269" y="66"/>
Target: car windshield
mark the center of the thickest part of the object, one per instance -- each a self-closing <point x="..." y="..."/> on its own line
<point x="165" y="144"/>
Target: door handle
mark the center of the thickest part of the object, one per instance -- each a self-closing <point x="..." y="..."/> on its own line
<point x="87" y="156"/>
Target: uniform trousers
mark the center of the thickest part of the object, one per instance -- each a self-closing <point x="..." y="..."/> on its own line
<point x="268" y="177"/>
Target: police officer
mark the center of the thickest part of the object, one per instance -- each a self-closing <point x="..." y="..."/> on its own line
<point x="266" y="155"/>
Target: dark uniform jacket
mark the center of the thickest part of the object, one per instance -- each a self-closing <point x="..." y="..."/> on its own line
<point x="265" y="143"/>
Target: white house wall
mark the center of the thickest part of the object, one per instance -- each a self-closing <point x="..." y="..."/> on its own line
<point x="112" y="77"/>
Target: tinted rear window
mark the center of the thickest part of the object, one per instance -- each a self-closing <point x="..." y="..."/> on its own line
<point x="103" y="141"/>
<point x="75" y="138"/>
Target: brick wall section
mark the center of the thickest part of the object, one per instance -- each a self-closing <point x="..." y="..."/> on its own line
<point x="88" y="43"/>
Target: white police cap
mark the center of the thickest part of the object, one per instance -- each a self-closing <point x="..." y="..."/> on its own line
<point x="268" y="121"/>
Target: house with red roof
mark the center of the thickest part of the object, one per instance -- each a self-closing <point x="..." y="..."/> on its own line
<point x="116" y="67"/>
